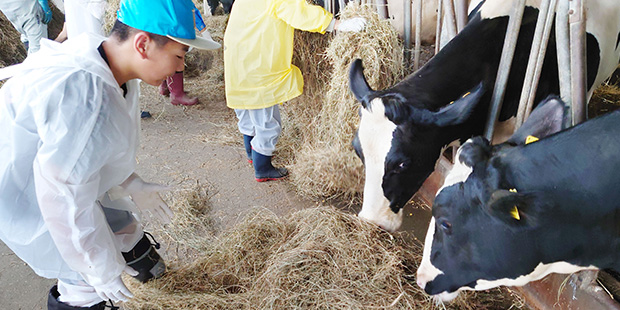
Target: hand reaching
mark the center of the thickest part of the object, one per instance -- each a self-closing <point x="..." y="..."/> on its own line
<point x="355" y="24"/>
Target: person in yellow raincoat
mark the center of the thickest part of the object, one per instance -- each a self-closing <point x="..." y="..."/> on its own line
<point x="258" y="73"/>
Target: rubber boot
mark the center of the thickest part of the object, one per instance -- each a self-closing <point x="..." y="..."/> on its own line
<point x="145" y="260"/>
<point x="263" y="169"/>
<point x="177" y="93"/>
<point x="54" y="304"/>
<point x="248" y="146"/>
<point x="163" y="88"/>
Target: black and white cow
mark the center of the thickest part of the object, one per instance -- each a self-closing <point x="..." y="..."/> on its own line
<point x="514" y="213"/>
<point x="400" y="151"/>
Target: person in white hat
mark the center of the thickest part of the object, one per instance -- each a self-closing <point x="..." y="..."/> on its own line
<point x="70" y="118"/>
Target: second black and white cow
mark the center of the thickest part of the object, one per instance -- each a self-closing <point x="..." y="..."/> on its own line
<point x="403" y="128"/>
<point x="510" y="214"/>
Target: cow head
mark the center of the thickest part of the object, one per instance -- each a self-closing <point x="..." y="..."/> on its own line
<point x="481" y="235"/>
<point x="398" y="144"/>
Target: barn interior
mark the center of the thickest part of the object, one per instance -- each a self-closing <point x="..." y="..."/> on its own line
<point x="297" y="244"/>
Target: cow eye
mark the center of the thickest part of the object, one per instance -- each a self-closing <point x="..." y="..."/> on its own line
<point x="402" y="166"/>
<point x="445" y="226"/>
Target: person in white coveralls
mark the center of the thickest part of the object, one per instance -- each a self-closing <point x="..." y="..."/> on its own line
<point x="69" y="115"/>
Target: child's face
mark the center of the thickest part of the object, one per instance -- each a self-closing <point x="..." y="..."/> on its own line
<point x="164" y="61"/>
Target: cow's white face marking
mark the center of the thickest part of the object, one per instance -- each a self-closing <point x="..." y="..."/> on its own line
<point x="427" y="272"/>
<point x="375" y="136"/>
<point x="459" y="172"/>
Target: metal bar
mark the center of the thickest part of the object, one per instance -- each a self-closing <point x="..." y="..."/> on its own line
<point x="577" y="22"/>
<point x="381" y="8"/>
<point x="562" y="43"/>
<point x="407" y="21"/>
<point x="460" y="7"/>
<point x="450" y="18"/>
<point x="535" y="62"/>
<point x="439" y="19"/>
<point x="418" y="27"/>
<point x="510" y="44"/>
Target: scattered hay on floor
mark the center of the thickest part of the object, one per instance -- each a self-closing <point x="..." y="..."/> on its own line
<point x="319" y="125"/>
<point x="12" y="50"/>
<point x="317" y="258"/>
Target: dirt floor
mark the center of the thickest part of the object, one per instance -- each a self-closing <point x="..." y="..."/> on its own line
<point x="180" y="147"/>
<point x="184" y="147"/>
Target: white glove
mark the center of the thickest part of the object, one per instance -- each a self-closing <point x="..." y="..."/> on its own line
<point x="145" y="196"/>
<point x="355" y="24"/>
<point x="116" y="289"/>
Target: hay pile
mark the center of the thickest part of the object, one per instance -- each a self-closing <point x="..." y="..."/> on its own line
<point x="13" y="51"/>
<point x="317" y="258"/>
<point x="320" y="124"/>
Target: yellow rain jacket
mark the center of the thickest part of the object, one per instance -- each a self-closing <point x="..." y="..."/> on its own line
<point x="258" y="50"/>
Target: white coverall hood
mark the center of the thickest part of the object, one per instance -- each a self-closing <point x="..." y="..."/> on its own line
<point x="69" y="135"/>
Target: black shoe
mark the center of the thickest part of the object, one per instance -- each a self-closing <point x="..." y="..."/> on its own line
<point x="54" y="304"/>
<point x="145" y="260"/>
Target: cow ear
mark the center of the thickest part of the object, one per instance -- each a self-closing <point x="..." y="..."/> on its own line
<point x="517" y="210"/>
<point x="475" y="150"/>
<point x="546" y="119"/>
<point x="451" y="114"/>
<point x="396" y="108"/>
<point x="358" y="84"/>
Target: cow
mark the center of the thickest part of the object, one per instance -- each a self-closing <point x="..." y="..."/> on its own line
<point x="513" y="213"/>
<point x="399" y="152"/>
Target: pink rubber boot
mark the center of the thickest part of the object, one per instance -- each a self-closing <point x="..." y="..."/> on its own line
<point x="177" y="94"/>
<point x="163" y="88"/>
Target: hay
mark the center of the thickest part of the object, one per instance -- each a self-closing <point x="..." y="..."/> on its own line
<point x="317" y="258"/>
<point x="314" y="259"/>
<point x="13" y="51"/>
<point x="319" y="125"/>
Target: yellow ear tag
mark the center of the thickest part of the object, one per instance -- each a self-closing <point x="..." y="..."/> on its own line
<point x="530" y="139"/>
<point x="513" y="190"/>
<point x="515" y="213"/>
<point x="467" y="93"/>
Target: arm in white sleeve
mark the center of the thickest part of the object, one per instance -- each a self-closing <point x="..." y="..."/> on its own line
<point x="67" y="176"/>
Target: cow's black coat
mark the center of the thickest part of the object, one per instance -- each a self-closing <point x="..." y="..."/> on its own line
<point x="470" y="58"/>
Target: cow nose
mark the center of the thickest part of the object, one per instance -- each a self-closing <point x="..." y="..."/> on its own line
<point x="421" y="283"/>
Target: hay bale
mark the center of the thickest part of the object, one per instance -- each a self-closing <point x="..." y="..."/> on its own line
<point x="319" y="125"/>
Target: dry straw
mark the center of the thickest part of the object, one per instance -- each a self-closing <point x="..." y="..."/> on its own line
<point x="317" y="258"/>
<point x="319" y="125"/>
